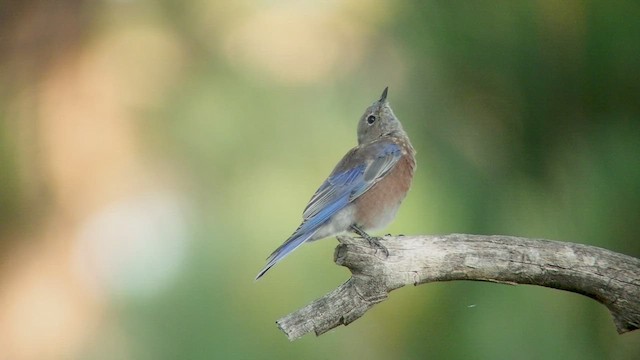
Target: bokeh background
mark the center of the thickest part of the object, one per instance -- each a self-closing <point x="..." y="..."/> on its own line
<point x="153" y="153"/>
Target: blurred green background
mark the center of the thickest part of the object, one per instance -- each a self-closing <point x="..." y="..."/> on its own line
<point x="153" y="153"/>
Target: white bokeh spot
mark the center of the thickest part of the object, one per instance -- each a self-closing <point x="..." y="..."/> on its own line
<point x="133" y="248"/>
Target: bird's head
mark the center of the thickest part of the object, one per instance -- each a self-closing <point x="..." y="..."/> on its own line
<point x="378" y="120"/>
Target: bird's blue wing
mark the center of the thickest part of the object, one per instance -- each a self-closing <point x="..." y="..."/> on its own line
<point x="339" y="185"/>
<point x="357" y="172"/>
<point x="354" y="175"/>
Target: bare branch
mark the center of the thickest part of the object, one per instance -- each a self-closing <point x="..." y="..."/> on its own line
<point x="610" y="278"/>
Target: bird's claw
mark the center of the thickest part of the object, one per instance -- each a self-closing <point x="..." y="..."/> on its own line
<point x="372" y="240"/>
<point x="375" y="243"/>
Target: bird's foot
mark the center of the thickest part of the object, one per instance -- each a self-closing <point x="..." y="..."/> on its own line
<point x="374" y="241"/>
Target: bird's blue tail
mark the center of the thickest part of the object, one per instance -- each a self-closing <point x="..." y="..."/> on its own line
<point x="305" y="231"/>
<point x="285" y="249"/>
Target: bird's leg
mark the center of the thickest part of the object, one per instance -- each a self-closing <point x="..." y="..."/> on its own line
<point x="373" y="241"/>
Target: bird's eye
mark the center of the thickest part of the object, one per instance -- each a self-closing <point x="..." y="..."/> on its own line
<point x="371" y="119"/>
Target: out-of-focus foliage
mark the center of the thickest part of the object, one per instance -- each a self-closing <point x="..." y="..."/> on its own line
<point x="152" y="154"/>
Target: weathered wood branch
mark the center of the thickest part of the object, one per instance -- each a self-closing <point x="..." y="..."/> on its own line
<point x="610" y="278"/>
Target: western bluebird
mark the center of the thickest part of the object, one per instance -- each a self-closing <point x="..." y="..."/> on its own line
<point x="365" y="189"/>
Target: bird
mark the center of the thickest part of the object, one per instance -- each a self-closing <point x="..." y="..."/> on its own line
<point x="364" y="190"/>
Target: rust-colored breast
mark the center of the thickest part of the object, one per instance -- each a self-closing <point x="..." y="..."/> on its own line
<point x="377" y="207"/>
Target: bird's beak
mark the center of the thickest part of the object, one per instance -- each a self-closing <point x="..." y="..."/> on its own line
<point x="383" y="97"/>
